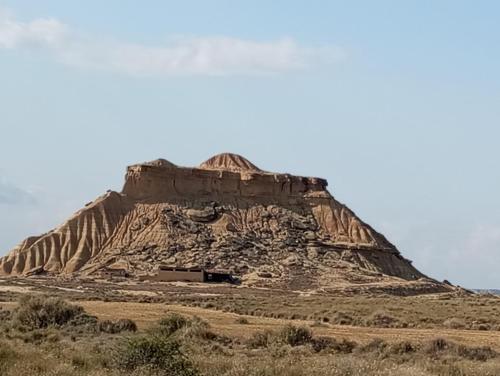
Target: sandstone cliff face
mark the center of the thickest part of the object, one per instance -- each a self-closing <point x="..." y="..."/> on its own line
<point x="225" y="214"/>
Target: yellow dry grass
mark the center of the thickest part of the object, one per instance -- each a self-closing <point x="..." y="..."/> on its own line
<point x="146" y="314"/>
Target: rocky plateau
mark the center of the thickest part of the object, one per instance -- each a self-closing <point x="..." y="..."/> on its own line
<point x="270" y="229"/>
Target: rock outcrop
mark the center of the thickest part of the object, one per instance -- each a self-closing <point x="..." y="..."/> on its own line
<point x="271" y="229"/>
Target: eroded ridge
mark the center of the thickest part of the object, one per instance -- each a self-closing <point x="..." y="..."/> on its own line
<point x="271" y="229"/>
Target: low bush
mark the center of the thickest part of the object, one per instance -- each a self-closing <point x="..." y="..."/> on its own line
<point x="288" y="335"/>
<point x="294" y="335"/>
<point x="38" y="312"/>
<point x="154" y="353"/>
<point x="170" y="324"/>
<point x="114" y="327"/>
<point x="329" y="344"/>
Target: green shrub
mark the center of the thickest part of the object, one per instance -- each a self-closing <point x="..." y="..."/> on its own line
<point x="156" y="353"/>
<point x="38" y="312"/>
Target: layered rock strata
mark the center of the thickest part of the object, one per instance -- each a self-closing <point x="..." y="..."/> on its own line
<point x="227" y="214"/>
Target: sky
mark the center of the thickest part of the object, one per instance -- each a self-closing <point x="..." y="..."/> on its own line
<point x="395" y="103"/>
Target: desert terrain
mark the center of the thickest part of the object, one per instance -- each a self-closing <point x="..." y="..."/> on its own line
<point x="300" y="285"/>
<point x="236" y="330"/>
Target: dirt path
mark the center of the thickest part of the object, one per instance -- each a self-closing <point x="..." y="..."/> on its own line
<point x="145" y="314"/>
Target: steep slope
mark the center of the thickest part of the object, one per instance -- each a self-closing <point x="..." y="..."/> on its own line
<point x="271" y="229"/>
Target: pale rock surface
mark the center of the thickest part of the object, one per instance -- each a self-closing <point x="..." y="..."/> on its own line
<point x="271" y="229"/>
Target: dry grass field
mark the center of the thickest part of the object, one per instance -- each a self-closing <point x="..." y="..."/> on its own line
<point x="227" y="330"/>
<point x="226" y="323"/>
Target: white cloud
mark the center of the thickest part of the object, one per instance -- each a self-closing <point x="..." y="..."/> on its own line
<point x="13" y="195"/>
<point x="43" y="32"/>
<point x="214" y="55"/>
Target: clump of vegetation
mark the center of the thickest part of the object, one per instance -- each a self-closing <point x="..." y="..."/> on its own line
<point x="198" y="329"/>
<point x="382" y="319"/>
<point x="294" y="335"/>
<point x="38" y="312"/>
<point x="440" y="346"/>
<point x="435" y="349"/>
<point x="186" y="329"/>
<point x="114" y="327"/>
<point x="289" y="335"/>
<point x="38" y="318"/>
<point x="331" y="345"/>
<point x="242" y="321"/>
<point x="170" y="324"/>
<point x="260" y="339"/>
<point x="154" y="353"/>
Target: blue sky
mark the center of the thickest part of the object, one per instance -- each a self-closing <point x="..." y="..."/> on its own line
<point x="396" y="103"/>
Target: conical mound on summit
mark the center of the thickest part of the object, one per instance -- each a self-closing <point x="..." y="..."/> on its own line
<point x="229" y="162"/>
<point x="272" y="230"/>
